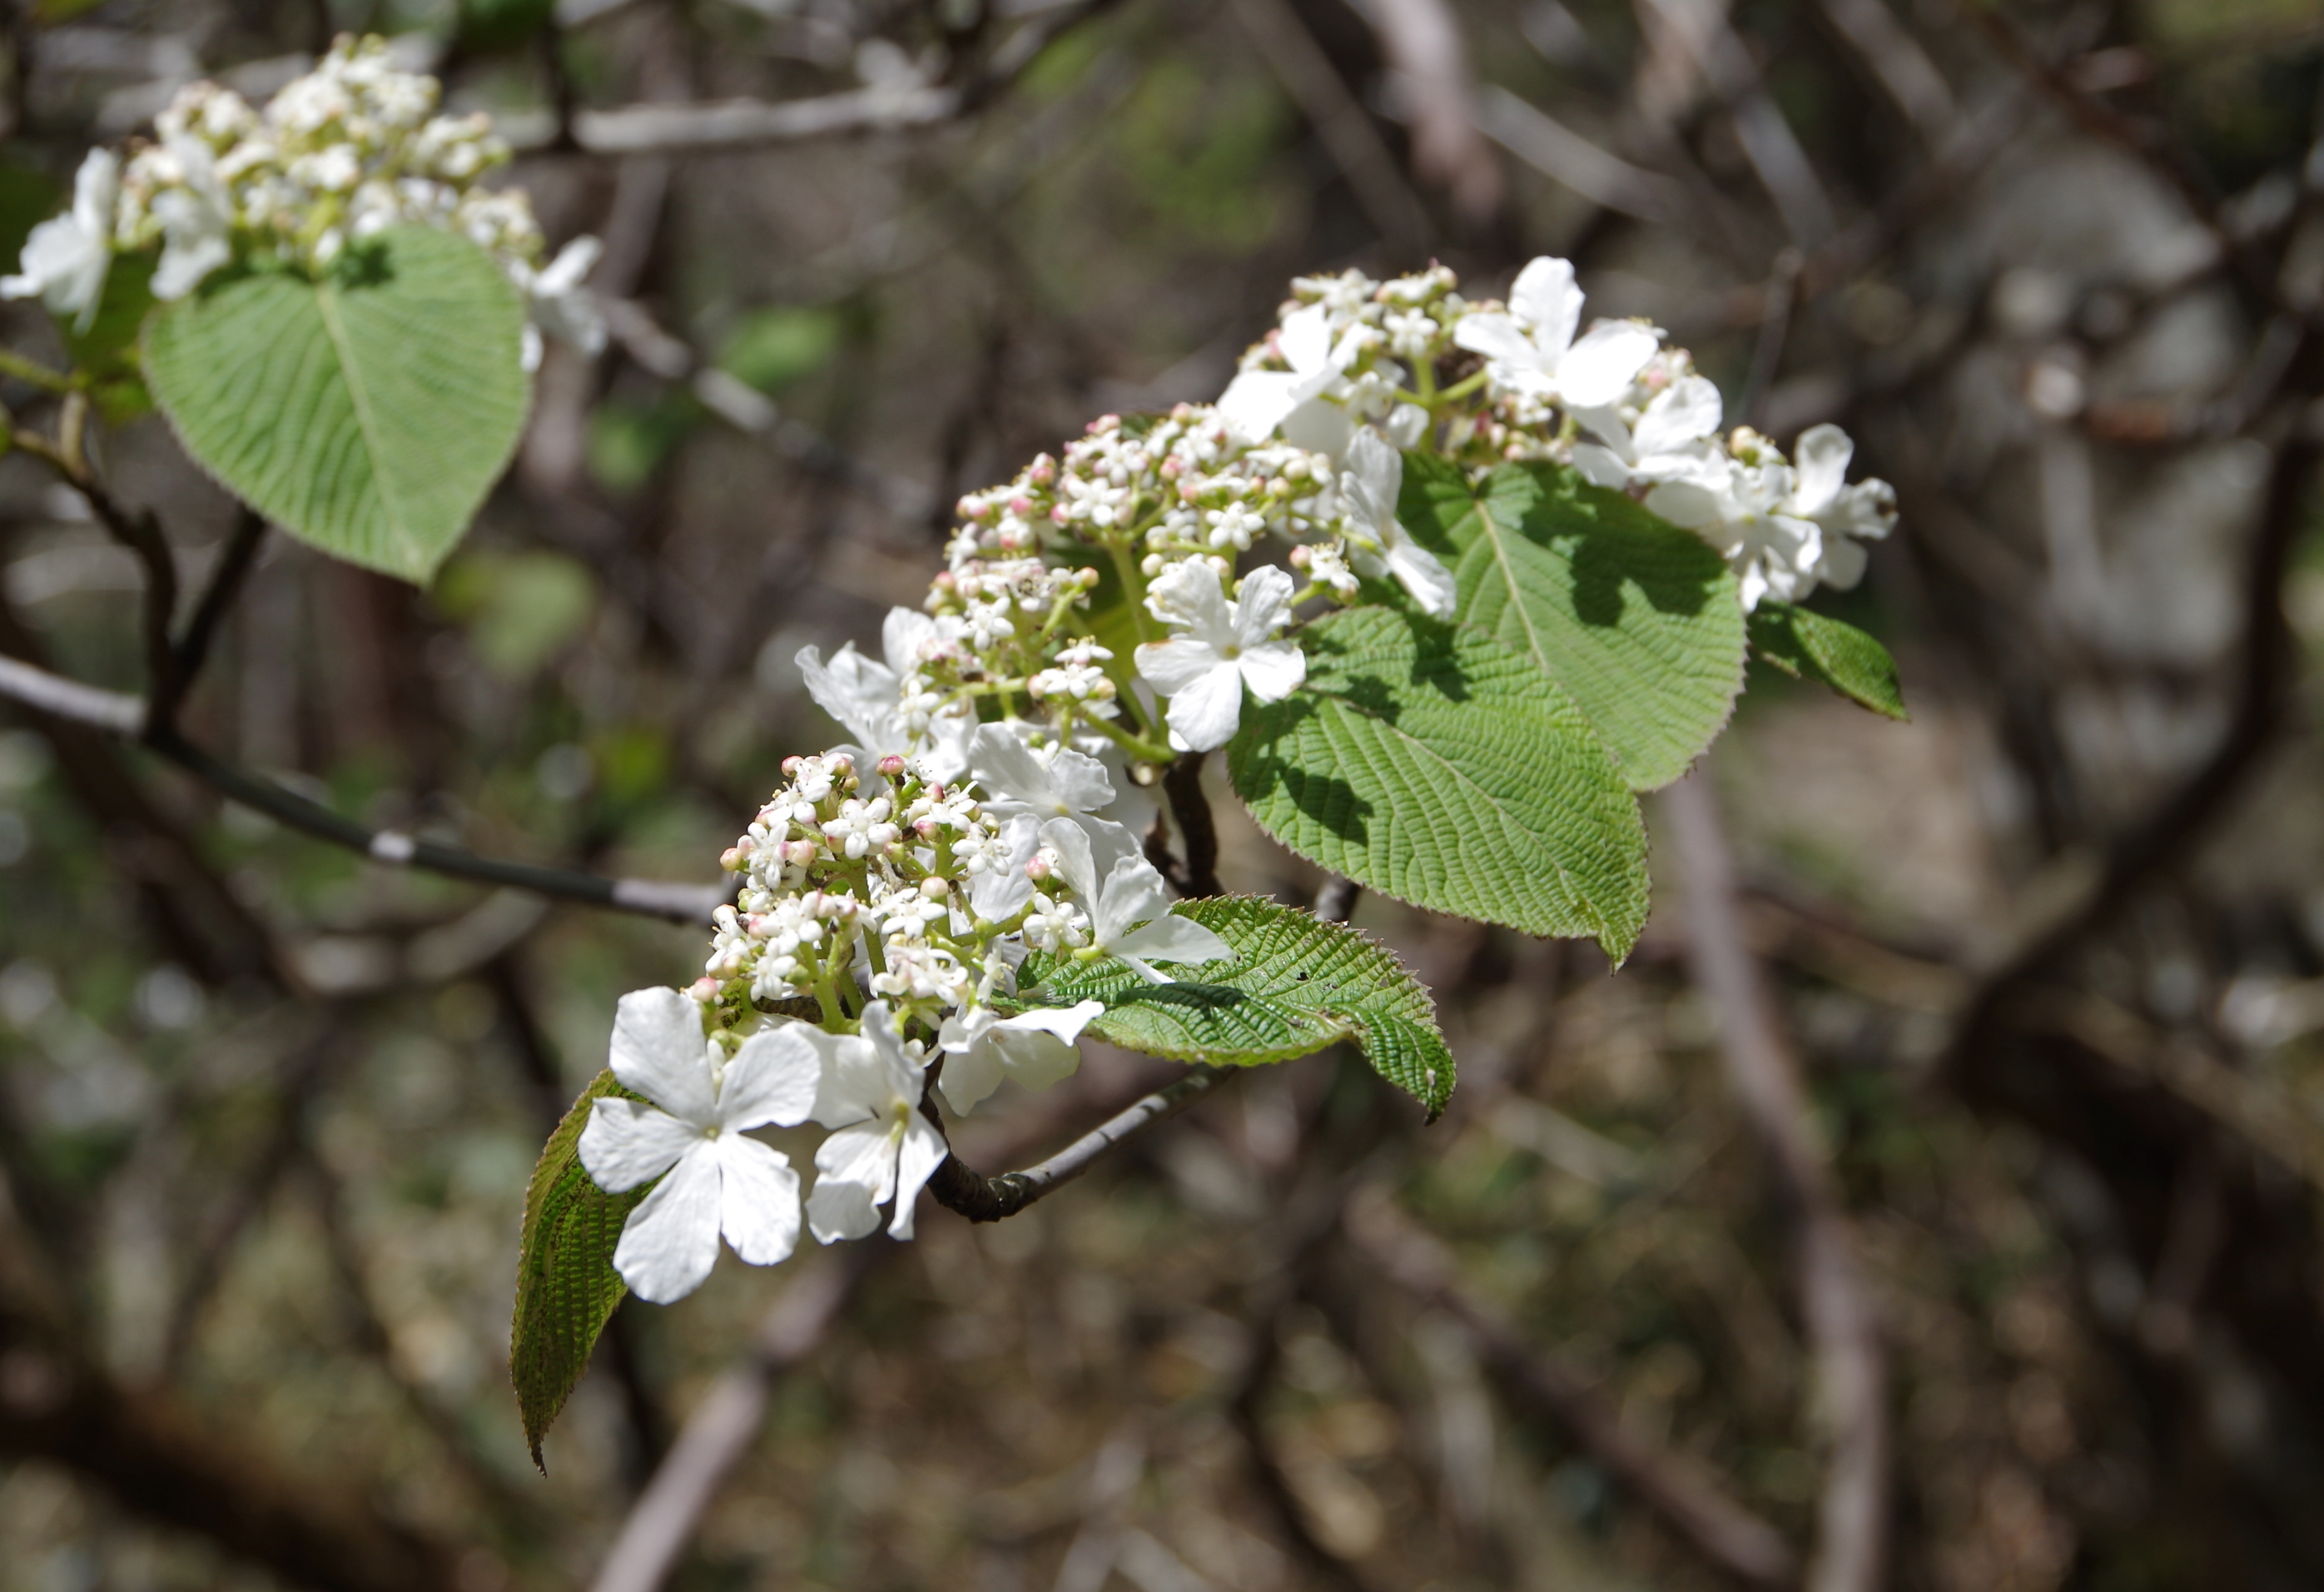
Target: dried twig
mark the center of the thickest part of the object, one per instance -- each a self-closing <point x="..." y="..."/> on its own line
<point x="118" y="714"/>
<point x="722" y="1426"/>
<point x="1852" y="1516"/>
<point x="1670" y="1482"/>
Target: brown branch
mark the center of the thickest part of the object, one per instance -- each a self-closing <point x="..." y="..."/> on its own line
<point x="1853" y="1515"/>
<point x="234" y="567"/>
<point x="959" y="1189"/>
<point x="1183" y="784"/>
<point x="1670" y="1482"/>
<point x="118" y="714"/>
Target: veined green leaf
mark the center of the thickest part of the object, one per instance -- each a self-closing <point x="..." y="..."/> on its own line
<point x="1432" y="763"/>
<point x="1809" y="646"/>
<point x="565" y="1284"/>
<point x="1638" y="620"/>
<point x="1297" y="984"/>
<point x="367" y="412"/>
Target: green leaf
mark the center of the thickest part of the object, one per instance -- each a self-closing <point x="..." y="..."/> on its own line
<point x="1638" y="620"/>
<point x="1809" y="646"/>
<point x="367" y="412"/>
<point x="565" y="1284"/>
<point x="1297" y="984"/>
<point x="1434" y="764"/>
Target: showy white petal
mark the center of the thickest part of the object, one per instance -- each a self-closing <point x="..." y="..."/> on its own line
<point x="1035" y="1060"/>
<point x="854" y="690"/>
<point x="1171" y="666"/>
<point x="1430" y="583"/>
<point x="1305" y="340"/>
<point x="1205" y="712"/>
<point x="1499" y="339"/>
<point x="1600" y="466"/>
<point x="671" y="1241"/>
<point x="1377" y="471"/>
<point x="916" y="1159"/>
<point x="1688" y="410"/>
<point x="1273" y="669"/>
<point x="1843" y="561"/>
<point x="1075" y="861"/>
<point x="758" y="1200"/>
<point x="1264" y="604"/>
<point x="1065" y="1022"/>
<point x="1188" y="595"/>
<point x="838" y="1210"/>
<point x="863" y="1155"/>
<point x="1258" y="401"/>
<point x="1545" y="298"/>
<point x="773" y="1077"/>
<point x="971" y="1069"/>
<point x="901" y="1069"/>
<point x="1173" y="939"/>
<point x="659" y="1050"/>
<point x="998" y="894"/>
<point x="1131" y="891"/>
<point x="850" y="1087"/>
<point x="626" y="1143"/>
<point x="1597" y="368"/>
<point x="1822" y="456"/>
<point x="1320" y="427"/>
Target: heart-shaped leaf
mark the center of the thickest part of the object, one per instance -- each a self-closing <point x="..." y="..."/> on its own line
<point x="367" y="412"/>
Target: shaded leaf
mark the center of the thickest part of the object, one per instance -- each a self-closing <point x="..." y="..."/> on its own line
<point x="1638" y="620"/>
<point x="1431" y="764"/>
<point x="1809" y="646"/>
<point x="367" y="412"/>
<point x="565" y="1284"/>
<point x="1297" y="984"/>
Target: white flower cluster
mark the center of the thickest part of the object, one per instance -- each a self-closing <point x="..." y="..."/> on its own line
<point x="354" y="147"/>
<point x="894" y="905"/>
<point x="990" y="804"/>
<point x="1612" y="400"/>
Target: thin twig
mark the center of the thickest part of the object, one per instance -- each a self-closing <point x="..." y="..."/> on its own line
<point x="1843" y="1339"/>
<point x="119" y="714"/>
<point x="218" y="598"/>
<point x="990" y="1199"/>
<point x="721" y="1427"/>
<point x="1669" y="1481"/>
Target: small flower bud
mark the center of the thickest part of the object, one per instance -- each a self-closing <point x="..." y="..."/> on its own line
<point x="1036" y="869"/>
<point x="936" y="889"/>
<point x="731" y="859"/>
<point x="891" y="765"/>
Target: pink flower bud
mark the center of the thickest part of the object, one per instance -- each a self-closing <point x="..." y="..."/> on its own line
<point x="703" y="989"/>
<point x="891" y="765"/>
<point x="791" y="767"/>
<point x="731" y="859"/>
<point x="1036" y="868"/>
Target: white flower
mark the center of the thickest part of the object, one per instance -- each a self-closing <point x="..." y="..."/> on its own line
<point x="867" y="698"/>
<point x="1840" y="512"/>
<point x="558" y="303"/>
<point x="1673" y="439"/>
<point x="1746" y="514"/>
<point x="1015" y="778"/>
<point x="884" y="1148"/>
<point x="197" y="221"/>
<point x="998" y="886"/>
<point x="1375" y="475"/>
<point x="1532" y="349"/>
<point x="1223" y="646"/>
<point x="1258" y="401"/>
<point x="66" y="257"/>
<point x="703" y="1103"/>
<point x="1036" y="1048"/>
<point x="1128" y="894"/>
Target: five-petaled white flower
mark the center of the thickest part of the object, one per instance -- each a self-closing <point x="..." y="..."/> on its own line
<point x="1129" y="907"/>
<point x="1036" y="1048"/>
<point x="702" y="1106"/>
<point x="867" y="696"/>
<point x="66" y="257"/>
<point x="1059" y="782"/>
<point x="1377" y="543"/>
<point x="556" y="302"/>
<point x="1258" y="401"/>
<point x="1532" y="349"/>
<point x="883" y="1148"/>
<point x="1842" y="512"/>
<point x="1673" y="440"/>
<point x="1223" y="646"/>
<point x="1748" y="514"/>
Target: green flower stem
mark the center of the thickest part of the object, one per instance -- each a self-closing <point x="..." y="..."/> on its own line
<point x="34" y="371"/>
<point x="1145" y="751"/>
